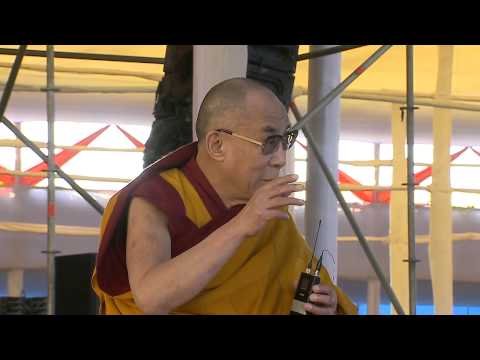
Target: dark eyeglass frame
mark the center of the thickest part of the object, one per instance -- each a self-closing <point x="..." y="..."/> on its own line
<point x="270" y="145"/>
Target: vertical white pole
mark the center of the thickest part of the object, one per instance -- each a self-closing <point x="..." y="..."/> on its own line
<point x="373" y="297"/>
<point x="440" y="249"/>
<point x="321" y="203"/>
<point x="213" y="64"/>
<point x="15" y="283"/>
<point x="398" y="246"/>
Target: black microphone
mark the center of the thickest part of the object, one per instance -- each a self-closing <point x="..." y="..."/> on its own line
<point x="306" y="282"/>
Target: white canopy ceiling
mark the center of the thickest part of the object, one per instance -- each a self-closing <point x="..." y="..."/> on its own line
<point x="123" y="92"/>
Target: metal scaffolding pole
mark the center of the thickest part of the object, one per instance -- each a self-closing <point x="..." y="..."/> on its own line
<point x="412" y="280"/>
<point x="342" y="86"/>
<point x="88" y="56"/>
<point x="51" y="178"/>
<point x="324" y="52"/>
<point x="7" y="91"/>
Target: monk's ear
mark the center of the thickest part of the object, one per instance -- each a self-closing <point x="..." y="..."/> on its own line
<point x="214" y="145"/>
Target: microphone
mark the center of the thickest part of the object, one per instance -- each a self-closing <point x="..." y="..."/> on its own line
<point x="306" y="282"/>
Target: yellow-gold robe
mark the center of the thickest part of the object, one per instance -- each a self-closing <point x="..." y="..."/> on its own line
<point x="260" y="276"/>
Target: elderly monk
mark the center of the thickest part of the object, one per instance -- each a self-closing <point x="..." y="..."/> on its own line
<point x="206" y="229"/>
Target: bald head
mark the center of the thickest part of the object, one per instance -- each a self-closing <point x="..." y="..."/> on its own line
<point x="228" y="103"/>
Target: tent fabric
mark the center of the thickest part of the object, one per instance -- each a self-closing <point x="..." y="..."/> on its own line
<point x="387" y="74"/>
<point x="128" y="89"/>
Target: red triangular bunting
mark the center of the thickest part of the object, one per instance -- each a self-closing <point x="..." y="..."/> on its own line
<point x="60" y="159"/>
<point x="135" y="142"/>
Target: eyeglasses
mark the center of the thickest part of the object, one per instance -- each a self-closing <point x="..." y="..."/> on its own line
<point x="270" y="145"/>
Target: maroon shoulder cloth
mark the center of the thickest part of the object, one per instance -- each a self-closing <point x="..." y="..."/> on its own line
<point x="111" y="265"/>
